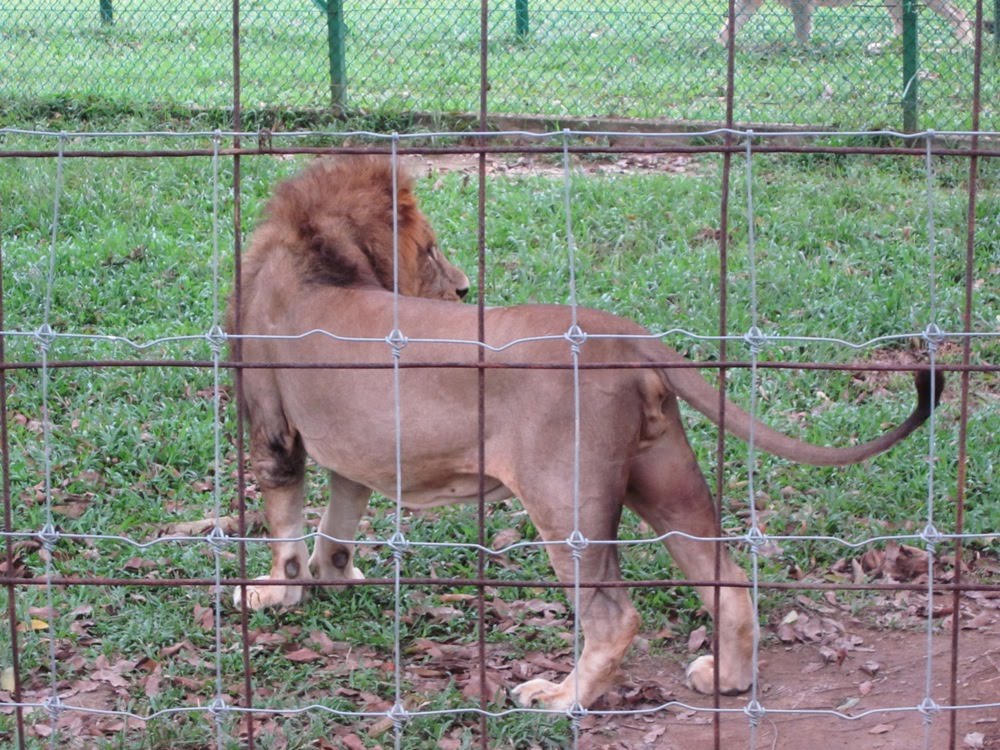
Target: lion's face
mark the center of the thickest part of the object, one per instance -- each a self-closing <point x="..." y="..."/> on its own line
<point x="424" y="271"/>
<point x="339" y="224"/>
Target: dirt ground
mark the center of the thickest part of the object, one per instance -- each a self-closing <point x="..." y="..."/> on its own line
<point x="886" y="669"/>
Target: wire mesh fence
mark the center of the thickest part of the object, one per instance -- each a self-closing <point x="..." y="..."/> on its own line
<point x="129" y="511"/>
<point x="128" y="518"/>
<point x="845" y="67"/>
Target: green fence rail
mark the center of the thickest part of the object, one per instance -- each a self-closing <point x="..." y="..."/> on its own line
<point x="856" y="66"/>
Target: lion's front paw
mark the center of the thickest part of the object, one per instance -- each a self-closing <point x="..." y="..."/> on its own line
<point x="333" y="567"/>
<point x="547" y="694"/>
<point x="700" y="676"/>
<point x="261" y="597"/>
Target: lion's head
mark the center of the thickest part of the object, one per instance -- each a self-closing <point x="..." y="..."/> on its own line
<point x="335" y="219"/>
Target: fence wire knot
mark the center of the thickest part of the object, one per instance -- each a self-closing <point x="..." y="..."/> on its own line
<point x="934" y="337"/>
<point x="45" y="336"/>
<point x="53" y="707"/>
<point x="756" y="340"/>
<point x="217" y="539"/>
<point x="756" y="539"/>
<point x="48" y="536"/>
<point x="576" y="713"/>
<point x="217" y="709"/>
<point x="576" y="338"/>
<point x="928" y="708"/>
<point x="577" y="542"/>
<point x="397" y="341"/>
<point x="399" y="716"/>
<point x="216" y="338"/>
<point x="398" y="544"/>
<point x="931" y="537"/>
<point x="755" y="712"/>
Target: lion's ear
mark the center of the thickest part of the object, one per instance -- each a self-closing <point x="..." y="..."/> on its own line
<point x="406" y="204"/>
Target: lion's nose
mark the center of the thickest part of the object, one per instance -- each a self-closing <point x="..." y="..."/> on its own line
<point x="462" y="292"/>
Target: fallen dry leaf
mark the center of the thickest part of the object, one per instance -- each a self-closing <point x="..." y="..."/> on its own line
<point x="204" y="617"/>
<point x="303" y="655"/>
<point x="881" y="729"/>
<point x="697" y="638"/>
<point x="230" y="526"/>
<point x="151" y="686"/>
<point x="979" y="621"/>
<point x="654" y="734"/>
<point x="505" y="538"/>
<point x="495" y="688"/>
<point x="326" y="645"/>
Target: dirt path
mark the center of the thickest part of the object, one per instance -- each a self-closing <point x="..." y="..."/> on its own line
<point x="888" y="669"/>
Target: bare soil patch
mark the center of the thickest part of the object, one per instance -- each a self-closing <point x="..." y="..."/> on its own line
<point x="885" y="672"/>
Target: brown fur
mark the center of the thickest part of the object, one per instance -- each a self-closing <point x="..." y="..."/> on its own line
<point x="802" y="11"/>
<point x="634" y="451"/>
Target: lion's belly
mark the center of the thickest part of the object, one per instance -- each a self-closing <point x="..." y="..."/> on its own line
<point x="426" y="481"/>
<point x="461" y="490"/>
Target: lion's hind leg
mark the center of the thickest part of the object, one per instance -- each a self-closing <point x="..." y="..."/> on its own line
<point x="668" y="491"/>
<point x="279" y="465"/>
<point x="333" y="556"/>
<point x="607" y="617"/>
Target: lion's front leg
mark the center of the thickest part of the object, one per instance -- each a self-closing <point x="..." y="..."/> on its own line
<point x="283" y="509"/>
<point x="333" y="556"/>
<point x="279" y="465"/>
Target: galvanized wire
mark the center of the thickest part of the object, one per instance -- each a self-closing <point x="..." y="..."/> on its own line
<point x="48" y="535"/>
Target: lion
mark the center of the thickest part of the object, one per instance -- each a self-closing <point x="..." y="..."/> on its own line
<point x="802" y="11"/>
<point x="317" y="296"/>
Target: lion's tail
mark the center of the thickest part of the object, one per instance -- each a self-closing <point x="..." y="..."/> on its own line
<point x="699" y="393"/>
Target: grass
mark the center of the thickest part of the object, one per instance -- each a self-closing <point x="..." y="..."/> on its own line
<point x="841" y="250"/>
<point x="631" y="59"/>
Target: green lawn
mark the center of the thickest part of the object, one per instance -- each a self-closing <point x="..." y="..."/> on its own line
<point x="841" y="251"/>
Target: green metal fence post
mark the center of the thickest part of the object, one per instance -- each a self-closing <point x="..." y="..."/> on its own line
<point x="335" y="32"/>
<point x="909" y="66"/>
<point x="996" y="23"/>
<point x="335" y="41"/>
<point x="108" y="12"/>
<point x="521" y="17"/>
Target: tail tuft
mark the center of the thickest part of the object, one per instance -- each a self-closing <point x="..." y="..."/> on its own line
<point x="922" y="381"/>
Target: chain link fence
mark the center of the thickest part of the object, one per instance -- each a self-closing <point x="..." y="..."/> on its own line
<point x="845" y="67"/>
